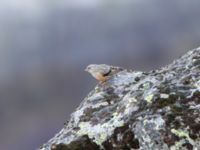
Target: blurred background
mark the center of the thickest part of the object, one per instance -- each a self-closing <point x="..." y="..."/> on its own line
<point x="45" y="46"/>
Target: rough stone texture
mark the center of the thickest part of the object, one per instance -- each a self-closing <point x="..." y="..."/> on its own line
<point x="152" y="110"/>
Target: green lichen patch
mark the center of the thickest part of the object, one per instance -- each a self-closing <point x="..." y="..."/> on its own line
<point x="149" y="98"/>
<point x="180" y="133"/>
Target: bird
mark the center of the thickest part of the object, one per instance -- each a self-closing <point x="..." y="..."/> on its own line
<point x="102" y="72"/>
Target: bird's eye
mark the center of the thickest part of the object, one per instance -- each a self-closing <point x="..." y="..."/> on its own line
<point x="88" y="68"/>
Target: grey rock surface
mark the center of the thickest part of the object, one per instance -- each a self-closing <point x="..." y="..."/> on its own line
<point x="156" y="110"/>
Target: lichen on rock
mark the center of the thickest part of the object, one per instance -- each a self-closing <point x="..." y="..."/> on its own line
<point x="152" y="110"/>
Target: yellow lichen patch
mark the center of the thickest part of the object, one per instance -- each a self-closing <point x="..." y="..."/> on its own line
<point x="101" y="138"/>
<point x="115" y="113"/>
<point x="149" y="98"/>
<point x="97" y="89"/>
<point x="83" y="125"/>
<point x="180" y="133"/>
<point x="146" y="86"/>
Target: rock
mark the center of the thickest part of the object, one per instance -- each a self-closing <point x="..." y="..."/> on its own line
<point x="152" y="110"/>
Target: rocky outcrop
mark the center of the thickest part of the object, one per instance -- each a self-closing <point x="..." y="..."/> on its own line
<point x="152" y="110"/>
